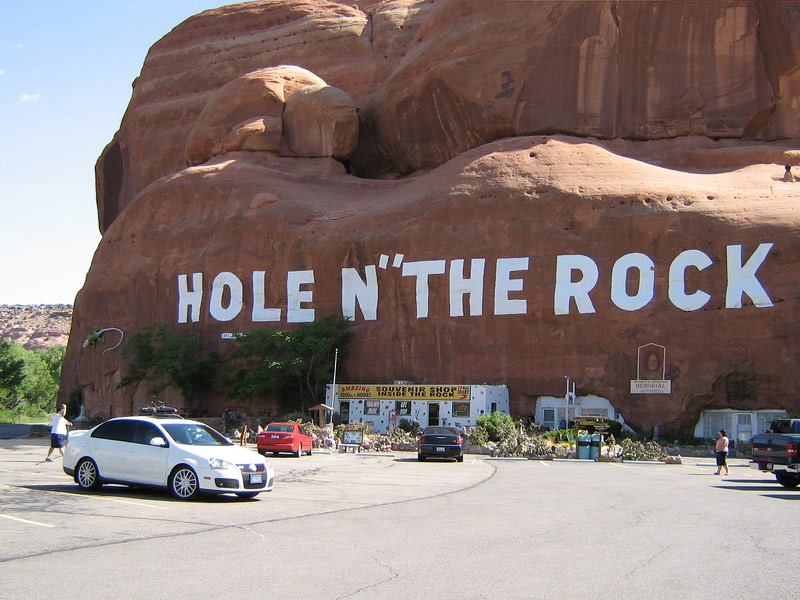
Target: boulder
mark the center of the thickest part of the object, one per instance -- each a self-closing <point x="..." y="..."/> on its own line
<point x="321" y="121"/>
<point x="247" y="113"/>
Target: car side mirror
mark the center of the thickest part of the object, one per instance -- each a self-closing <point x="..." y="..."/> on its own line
<point x="158" y="441"/>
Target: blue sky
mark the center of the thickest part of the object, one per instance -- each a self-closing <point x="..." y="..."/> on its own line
<point x="66" y="70"/>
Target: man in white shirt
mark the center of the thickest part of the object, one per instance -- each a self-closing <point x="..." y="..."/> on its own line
<point x="58" y="432"/>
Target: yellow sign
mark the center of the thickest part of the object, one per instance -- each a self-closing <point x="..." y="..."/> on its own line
<point x="404" y="392"/>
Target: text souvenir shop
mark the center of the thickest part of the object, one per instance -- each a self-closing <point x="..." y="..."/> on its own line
<point x="385" y="406"/>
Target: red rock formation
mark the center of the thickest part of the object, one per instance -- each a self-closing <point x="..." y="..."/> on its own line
<point x="636" y="70"/>
<point x="693" y="241"/>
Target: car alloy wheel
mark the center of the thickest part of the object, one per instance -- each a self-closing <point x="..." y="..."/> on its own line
<point x="86" y="475"/>
<point x="183" y="483"/>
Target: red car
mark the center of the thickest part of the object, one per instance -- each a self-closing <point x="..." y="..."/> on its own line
<point x="284" y="437"/>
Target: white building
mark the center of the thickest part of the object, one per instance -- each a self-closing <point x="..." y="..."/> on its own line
<point x="741" y="425"/>
<point x="554" y="412"/>
<point x="384" y="406"/>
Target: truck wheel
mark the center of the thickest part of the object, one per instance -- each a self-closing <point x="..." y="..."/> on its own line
<point x="787" y="480"/>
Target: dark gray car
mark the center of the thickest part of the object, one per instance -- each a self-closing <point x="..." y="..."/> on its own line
<point x="440" y="442"/>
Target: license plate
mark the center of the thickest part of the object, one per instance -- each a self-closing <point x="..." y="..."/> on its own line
<point x="440" y="448"/>
<point x="256" y="478"/>
<point x="275" y="437"/>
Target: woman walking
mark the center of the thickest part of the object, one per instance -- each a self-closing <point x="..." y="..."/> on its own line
<point x="722" y="452"/>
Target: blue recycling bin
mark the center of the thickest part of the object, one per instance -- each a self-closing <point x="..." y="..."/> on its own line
<point x="594" y="446"/>
<point x="584" y="446"/>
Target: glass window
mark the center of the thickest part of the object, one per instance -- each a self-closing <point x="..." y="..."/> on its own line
<point x="120" y="430"/>
<point x="194" y="434"/>
<point x="461" y="410"/>
<point x="344" y="411"/>
<point x="594" y="412"/>
<point x="144" y="432"/>
<point x="403" y="408"/>
<point x="372" y="407"/>
<point x="280" y="427"/>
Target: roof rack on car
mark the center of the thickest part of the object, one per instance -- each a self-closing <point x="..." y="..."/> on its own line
<point x="161" y="411"/>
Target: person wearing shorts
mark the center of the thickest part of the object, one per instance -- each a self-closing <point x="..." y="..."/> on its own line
<point x="58" y="432"/>
<point x="721" y="450"/>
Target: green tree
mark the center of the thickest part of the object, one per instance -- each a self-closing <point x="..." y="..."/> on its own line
<point x="10" y="366"/>
<point x="167" y="360"/>
<point x="11" y="374"/>
<point x="295" y="365"/>
<point x="29" y="380"/>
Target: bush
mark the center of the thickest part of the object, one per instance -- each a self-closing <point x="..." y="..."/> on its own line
<point x="409" y="427"/>
<point x="559" y="436"/>
<point x="478" y="436"/>
<point x="499" y="426"/>
<point x="636" y="450"/>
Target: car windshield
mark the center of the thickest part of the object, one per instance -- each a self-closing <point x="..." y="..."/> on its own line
<point x="286" y="428"/>
<point x="439" y="431"/>
<point x="195" y="434"/>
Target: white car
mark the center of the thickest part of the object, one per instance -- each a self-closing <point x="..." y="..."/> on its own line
<point x="187" y="457"/>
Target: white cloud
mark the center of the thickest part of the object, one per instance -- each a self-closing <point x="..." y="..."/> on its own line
<point x="2" y="72"/>
<point x="30" y="98"/>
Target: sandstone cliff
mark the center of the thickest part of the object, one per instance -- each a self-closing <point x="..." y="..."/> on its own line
<point x="501" y="256"/>
<point x="36" y="326"/>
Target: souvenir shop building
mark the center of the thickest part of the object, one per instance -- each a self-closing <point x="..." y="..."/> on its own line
<point x="384" y="406"/>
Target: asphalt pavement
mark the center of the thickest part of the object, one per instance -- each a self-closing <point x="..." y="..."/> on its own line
<point x="378" y="527"/>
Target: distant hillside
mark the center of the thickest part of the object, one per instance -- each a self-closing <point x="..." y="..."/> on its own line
<point x="36" y="326"/>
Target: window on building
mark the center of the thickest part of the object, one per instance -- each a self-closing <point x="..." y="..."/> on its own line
<point x="594" y="412"/>
<point x="461" y="410"/>
<point x="549" y="418"/>
<point x="403" y="408"/>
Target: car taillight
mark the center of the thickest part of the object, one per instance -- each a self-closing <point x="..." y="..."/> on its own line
<point x="791" y="450"/>
<point x="458" y="440"/>
<point x="422" y="439"/>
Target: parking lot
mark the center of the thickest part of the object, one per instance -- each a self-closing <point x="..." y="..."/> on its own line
<point x="379" y="526"/>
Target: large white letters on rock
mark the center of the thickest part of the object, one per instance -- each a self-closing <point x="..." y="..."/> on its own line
<point x="576" y="277"/>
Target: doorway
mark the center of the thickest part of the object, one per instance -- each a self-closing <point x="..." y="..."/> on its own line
<point x="433" y="413"/>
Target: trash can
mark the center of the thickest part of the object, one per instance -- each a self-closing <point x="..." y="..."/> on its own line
<point x="594" y="448"/>
<point x="584" y="446"/>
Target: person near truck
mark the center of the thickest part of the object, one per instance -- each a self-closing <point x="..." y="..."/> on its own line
<point x="721" y="450"/>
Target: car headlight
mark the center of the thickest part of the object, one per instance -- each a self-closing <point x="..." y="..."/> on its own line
<point x="218" y="463"/>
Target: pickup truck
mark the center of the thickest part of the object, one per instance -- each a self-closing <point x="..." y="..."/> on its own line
<point x="777" y="452"/>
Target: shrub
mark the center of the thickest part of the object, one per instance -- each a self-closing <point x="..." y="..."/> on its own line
<point x="559" y="436"/>
<point x="478" y="436"/>
<point x="408" y="426"/>
<point x="636" y="450"/>
<point x="499" y="426"/>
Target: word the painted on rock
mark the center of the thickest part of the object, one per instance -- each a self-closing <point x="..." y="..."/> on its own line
<point x="576" y="277"/>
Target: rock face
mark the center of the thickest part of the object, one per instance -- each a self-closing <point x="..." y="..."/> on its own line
<point x="507" y="257"/>
<point x="36" y="327"/>
<point x="635" y="70"/>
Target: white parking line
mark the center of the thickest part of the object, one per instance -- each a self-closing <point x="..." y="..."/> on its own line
<point x="26" y="521"/>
